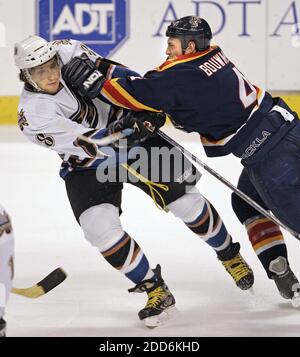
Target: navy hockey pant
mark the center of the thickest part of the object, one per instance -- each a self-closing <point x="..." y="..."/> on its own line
<point x="274" y="171"/>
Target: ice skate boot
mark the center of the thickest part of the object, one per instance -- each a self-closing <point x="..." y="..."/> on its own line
<point x="236" y="266"/>
<point x="2" y="328"/>
<point x="285" y="280"/>
<point x="160" y="306"/>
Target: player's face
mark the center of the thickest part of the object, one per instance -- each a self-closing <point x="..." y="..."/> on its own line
<point x="47" y="76"/>
<point x="174" y="48"/>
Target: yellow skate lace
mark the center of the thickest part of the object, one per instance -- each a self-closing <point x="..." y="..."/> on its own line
<point x="155" y="297"/>
<point x="237" y="267"/>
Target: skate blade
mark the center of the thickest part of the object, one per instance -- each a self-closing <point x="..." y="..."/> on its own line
<point x="296" y="300"/>
<point x="159" y="320"/>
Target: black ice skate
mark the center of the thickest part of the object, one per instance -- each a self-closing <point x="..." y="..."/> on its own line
<point x="2" y="328"/>
<point x="236" y="266"/>
<point x="161" y="303"/>
<point x="285" y="280"/>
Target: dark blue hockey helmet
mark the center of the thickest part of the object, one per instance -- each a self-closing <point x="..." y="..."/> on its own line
<point x="191" y="28"/>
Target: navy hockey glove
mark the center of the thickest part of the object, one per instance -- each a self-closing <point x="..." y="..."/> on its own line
<point x="82" y="75"/>
<point x="145" y="124"/>
<point x="139" y="135"/>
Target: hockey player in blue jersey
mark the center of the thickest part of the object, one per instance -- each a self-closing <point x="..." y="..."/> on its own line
<point x="203" y="91"/>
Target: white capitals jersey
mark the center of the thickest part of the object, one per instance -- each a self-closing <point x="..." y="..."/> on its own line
<point x="56" y="120"/>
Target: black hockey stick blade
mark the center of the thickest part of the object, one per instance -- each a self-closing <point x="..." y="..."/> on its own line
<point x="53" y="279"/>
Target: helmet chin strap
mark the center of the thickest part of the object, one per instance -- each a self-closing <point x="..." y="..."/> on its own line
<point x="30" y="80"/>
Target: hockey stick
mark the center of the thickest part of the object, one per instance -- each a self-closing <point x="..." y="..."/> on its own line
<point x="108" y="139"/>
<point x="240" y="193"/>
<point x="53" y="279"/>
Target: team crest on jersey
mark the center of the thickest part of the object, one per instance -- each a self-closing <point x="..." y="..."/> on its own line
<point x="100" y="24"/>
<point x="22" y="121"/>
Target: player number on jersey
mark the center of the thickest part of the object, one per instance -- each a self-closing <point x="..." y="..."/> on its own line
<point x="246" y="98"/>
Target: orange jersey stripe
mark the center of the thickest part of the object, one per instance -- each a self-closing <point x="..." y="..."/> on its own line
<point x="113" y="95"/>
<point x="183" y="59"/>
<point x="121" y="97"/>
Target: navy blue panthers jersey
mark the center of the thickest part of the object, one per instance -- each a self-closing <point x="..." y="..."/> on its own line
<point x="202" y="92"/>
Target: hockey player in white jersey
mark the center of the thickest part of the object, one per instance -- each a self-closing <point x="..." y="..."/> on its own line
<point x="54" y="116"/>
<point x="6" y="264"/>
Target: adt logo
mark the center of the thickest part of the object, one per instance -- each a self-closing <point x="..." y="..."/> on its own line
<point x="100" y="24"/>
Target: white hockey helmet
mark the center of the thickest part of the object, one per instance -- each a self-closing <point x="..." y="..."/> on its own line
<point x="31" y="52"/>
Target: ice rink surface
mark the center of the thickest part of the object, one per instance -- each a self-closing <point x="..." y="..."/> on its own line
<point x="93" y="300"/>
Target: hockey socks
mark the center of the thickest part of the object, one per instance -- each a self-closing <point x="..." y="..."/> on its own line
<point x="209" y="227"/>
<point x="266" y="239"/>
<point x="127" y="257"/>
